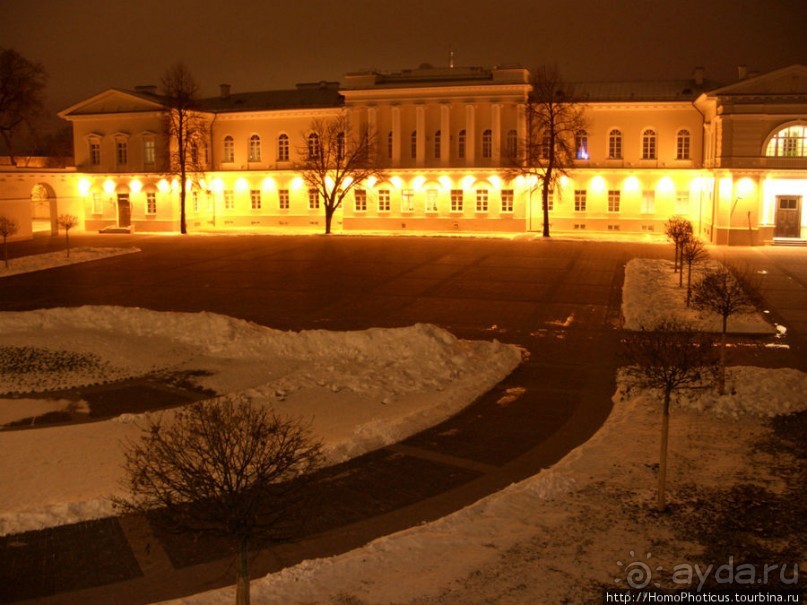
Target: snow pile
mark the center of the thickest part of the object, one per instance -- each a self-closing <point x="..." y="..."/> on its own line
<point x="651" y="295"/>
<point x="39" y="262"/>
<point x="362" y="390"/>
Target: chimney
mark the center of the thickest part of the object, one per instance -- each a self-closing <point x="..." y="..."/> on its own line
<point x="697" y="76"/>
<point x="742" y="72"/>
<point x="225" y="91"/>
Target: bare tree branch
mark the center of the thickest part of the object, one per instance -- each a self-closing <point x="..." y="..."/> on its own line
<point x="22" y="86"/>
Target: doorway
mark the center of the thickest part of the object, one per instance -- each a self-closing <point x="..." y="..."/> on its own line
<point x="788" y="217"/>
<point x="124" y="210"/>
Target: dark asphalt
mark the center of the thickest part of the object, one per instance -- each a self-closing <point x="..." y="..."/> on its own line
<point x="559" y="300"/>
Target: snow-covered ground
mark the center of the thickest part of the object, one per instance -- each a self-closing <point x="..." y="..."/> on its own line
<point x="39" y="262"/>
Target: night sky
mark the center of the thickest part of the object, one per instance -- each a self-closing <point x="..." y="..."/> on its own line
<point x="90" y="45"/>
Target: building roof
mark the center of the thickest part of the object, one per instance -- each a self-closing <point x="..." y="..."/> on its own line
<point x="305" y="96"/>
<point x="669" y="90"/>
<point x="429" y="76"/>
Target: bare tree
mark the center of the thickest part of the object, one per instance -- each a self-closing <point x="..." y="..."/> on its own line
<point x="726" y="291"/>
<point x="226" y="468"/>
<point x="22" y="85"/>
<point x="669" y="359"/>
<point x="337" y="157"/>
<point x="186" y="128"/>
<point x="555" y="122"/>
<point x="67" y="222"/>
<point x="678" y="231"/>
<point x="693" y="252"/>
<point x="8" y="227"/>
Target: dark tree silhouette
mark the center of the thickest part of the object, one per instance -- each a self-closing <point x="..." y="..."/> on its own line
<point x="67" y="222"/>
<point x="8" y="227"/>
<point x="693" y="252"/>
<point x="22" y="86"/>
<point x="678" y="231"/>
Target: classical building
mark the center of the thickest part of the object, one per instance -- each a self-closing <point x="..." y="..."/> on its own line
<point x="732" y="159"/>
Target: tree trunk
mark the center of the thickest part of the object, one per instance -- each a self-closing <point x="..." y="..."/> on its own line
<point x="689" y="283"/>
<point x="661" y="502"/>
<point x="681" y="271"/>
<point x="721" y="380"/>
<point x="545" y="203"/>
<point x="5" y="252"/>
<point x="328" y="218"/>
<point x="183" y="225"/>
<point x="67" y="241"/>
<point x="242" y="582"/>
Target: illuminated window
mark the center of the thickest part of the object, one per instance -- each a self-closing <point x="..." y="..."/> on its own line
<point x="461" y="144"/>
<point x="481" y="200"/>
<point x="255" y="198"/>
<point x="283" y="199"/>
<point x="431" y="200"/>
<point x="229" y="149"/>
<point x="613" y="200"/>
<point x="407" y="200"/>
<point x="615" y="144"/>
<point x="313" y="199"/>
<point x="507" y="200"/>
<point x="151" y="202"/>
<point x="546" y="144"/>
<point x="437" y="144"/>
<point x="682" y="145"/>
<point x="97" y="203"/>
<point x="121" y="152"/>
<point x="383" y="200"/>
<point x="313" y="146"/>
<point x="579" y="200"/>
<point x="340" y="145"/>
<point x="254" y="148"/>
<point x="648" y="202"/>
<point x="512" y="144"/>
<point x="581" y="145"/>
<point x="195" y="197"/>
<point x="389" y="145"/>
<point x="413" y="144"/>
<point x="788" y="142"/>
<point x="487" y="144"/>
<point x="149" y="151"/>
<point x="456" y="200"/>
<point x="682" y="202"/>
<point x="550" y="200"/>
<point x="229" y="199"/>
<point x="283" y="148"/>
<point x="95" y="152"/>
<point x="649" y="145"/>
<point x="359" y="200"/>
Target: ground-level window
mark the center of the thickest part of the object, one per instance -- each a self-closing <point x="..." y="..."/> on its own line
<point x="195" y="197"/>
<point x="614" y="198"/>
<point x="313" y="199"/>
<point x="407" y="200"/>
<point x="255" y="199"/>
<point x="283" y="199"/>
<point x="359" y="200"/>
<point x="579" y="200"/>
<point x="456" y="200"/>
<point x="431" y="200"/>
<point x="97" y="203"/>
<point x="151" y="202"/>
<point x="383" y="200"/>
<point x="229" y="199"/>
<point x="507" y="200"/>
<point x="648" y="202"/>
<point x="481" y="200"/>
<point x="682" y="202"/>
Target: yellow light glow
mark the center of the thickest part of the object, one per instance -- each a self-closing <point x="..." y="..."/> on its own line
<point x="370" y="182"/>
<point x="109" y="186"/>
<point x="467" y="181"/>
<point x="175" y="184"/>
<point x="418" y="181"/>
<point x="203" y="184"/>
<point x="564" y="180"/>
<point x="397" y="182"/>
<point x="347" y="182"/>
<point x="217" y="185"/>
<point x="632" y="184"/>
<point x="163" y="186"/>
<point x="84" y="186"/>
<point x="188" y="184"/>
<point x="495" y="181"/>
<point x="297" y="182"/>
<point x="745" y="187"/>
<point x="241" y="184"/>
<point x="666" y="185"/>
<point x="135" y="186"/>
<point x="445" y="182"/>
<point x="598" y="184"/>
<point x="268" y="184"/>
<point x="329" y="183"/>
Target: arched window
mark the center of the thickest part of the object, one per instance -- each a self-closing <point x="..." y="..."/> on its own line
<point x="340" y="145"/>
<point x="682" y="145"/>
<point x="487" y="144"/>
<point x="413" y="151"/>
<point x="283" y="148"/>
<point x="512" y="144"/>
<point x="437" y="144"/>
<point x="581" y="145"/>
<point x="229" y="149"/>
<point x="615" y="144"/>
<point x="789" y="142"/>
<point x="389" y="145"/>
<point x="313" y="145"/>
<point x="254" y="148"/>
<point x="649" y="144"/>
<point x="461" y="144"/>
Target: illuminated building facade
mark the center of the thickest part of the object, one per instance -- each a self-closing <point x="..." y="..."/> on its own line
<point x="732" y="159"/>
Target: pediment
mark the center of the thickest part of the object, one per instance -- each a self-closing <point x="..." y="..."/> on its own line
<point x="113" y="101"/>
<point x="790" y="80"/>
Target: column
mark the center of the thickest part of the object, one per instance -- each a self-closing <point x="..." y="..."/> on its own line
<point x="470" y="135"/>
<point x="445" y="134"/>
<point x="521" y="127"/>
<point x="372" y="130"/>
<point x="420" y="125"/>
<point x="396" y="135"/>
<point x="496" y="114"/>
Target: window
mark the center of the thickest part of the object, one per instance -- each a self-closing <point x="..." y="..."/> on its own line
<point x="121" y="152"/>
<point x="151" y="202"/>
<point x="229" y="199"/>
<point x="95" y="153"/>
<point x="507" y="200"/>
<point x="229" y="149"/>
<point x="481" y="200"/>
<point x="413" y="144"/>
<point x="512" y="144"/>
<point x="209" y="196"/>
<point x="283" y="148"/>
<point x="283" y="199"/>
<point x="407" y="200"/>
<point x="255" y="199"/>
<point x="389" y="145"/>
<point x="546" y="144"/>
<point x="649" y="145"/>
<point x="383" y="200"/>
<point x="97" y="203"/>
<point x="615" y="144"/>
<point x="487" y="144"/>
<point x="313" y="146"/>
<point x="149" y="152"/>
<point x="613" y="200"/>
<point x="431" y="200"/>
<point x="313" y="199"/>
<point x="579" y="200"/>
<point x="550" y="199"/>
<point x="682" y="145"/>
<point x="788" y="142"/>
<point x="648" y="202"/>
<point x="456" y="200"/>
<point x="581" y="145"/>
<point x="359" y="200"/>
<point x="437" y="145"/>
<point x="340" y="144"/>
<point x="682" y="202"/>
<point x="195" y="197"/>
<point x="461" y="144"/>
<point x="254" y="148"/>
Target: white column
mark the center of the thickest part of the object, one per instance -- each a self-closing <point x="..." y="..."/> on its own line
<point x="522" y="129"/>
<point x="496" y="114"/>
<point x="420" y="125"/>
<point x="470" y="134"/>
<point x="372" y="129"/>
<point x="445" y="134"/>
<point x="396" y="135"/>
